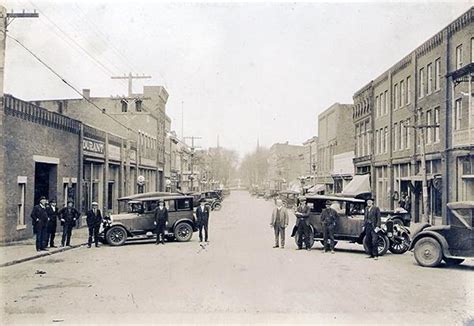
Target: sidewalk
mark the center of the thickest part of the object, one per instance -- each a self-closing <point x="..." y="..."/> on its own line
<point x="25" y="250"/>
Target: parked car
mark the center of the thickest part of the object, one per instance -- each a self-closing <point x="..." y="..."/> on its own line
<point x="136" y="217"/>
<point x="350" y="222"/>
<point x="452" y="243"/>
<point x="289" y="197"/>
<point x="212" y="195"/>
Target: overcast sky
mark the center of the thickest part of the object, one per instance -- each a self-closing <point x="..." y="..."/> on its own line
<point x="244" y="71"/>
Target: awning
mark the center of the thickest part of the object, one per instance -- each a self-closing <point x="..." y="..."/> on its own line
<point x="360" y="184"/>
<point x="316" y="188"/>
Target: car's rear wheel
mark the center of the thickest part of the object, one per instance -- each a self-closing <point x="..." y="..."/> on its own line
<point x="116" y="236"/>
<point x="183" y="232"/>
<point x="453" y="261"/>
<point x="217" y="206"/>
<point x="400" y="245"/>
<point x="311" y="238"/>
<point x="383" y="245"/>
<point x="428" y="252"/>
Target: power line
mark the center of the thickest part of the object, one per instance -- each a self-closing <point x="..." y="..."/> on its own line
<point x="67" y="83"/>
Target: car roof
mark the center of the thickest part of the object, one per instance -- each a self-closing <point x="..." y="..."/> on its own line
<point x="289" y="192"/>
<point x="335" y="198"/>
<point x="461" y="205"/>
<point x="166" y="198"/>
<point x="149" y="195"/>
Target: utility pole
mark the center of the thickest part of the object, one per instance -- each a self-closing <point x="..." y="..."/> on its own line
<point x="191" y="177"/>
<point x="424" y="181"/>
<point x="130" y="79"/>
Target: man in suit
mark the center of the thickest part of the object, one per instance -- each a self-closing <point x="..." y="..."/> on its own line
<point x="39" y="217"/>
<point x="372" y="224"/>
<point x="52" y="211"/>
<point x="302" y="216"/>
<point x="202" y="215"/>
<point x="94" y="219"/>
<point x="279" y="223"/>
<point x="328" y="221"/>
<point x="161" y="219"/>
<point x="68" y="216"/>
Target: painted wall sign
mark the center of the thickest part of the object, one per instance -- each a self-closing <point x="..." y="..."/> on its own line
<point x="93" y="146"/>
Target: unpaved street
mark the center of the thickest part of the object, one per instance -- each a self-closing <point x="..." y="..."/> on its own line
<point x="238" y="277"/>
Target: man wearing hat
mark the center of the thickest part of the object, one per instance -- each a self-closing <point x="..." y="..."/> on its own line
<point x="372" y="223"/>
<point x="328" y="220"/>
<point x="202" y="215"/>
<point x="94" y="219"/>
<point x="302" y="216"/>
<point x="39" y="217"/>
<point x="68" y="216"/>
<point x="52" y="211"/>
<point x="161" y="218"/>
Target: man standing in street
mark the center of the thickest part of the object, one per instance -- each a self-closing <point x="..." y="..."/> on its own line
<point x="39" y="217"/>
<point x="52" y="211"/>
<point x="68" y="215"/>
<point x="372" y="223"/>
<point x="161" y="218"/>
<point x="328" y="220"/>
<point x="279" y="223"/>
<point x="94" y="218"/>
<point x="202" y="215"/>
<point x="302" y="216"/>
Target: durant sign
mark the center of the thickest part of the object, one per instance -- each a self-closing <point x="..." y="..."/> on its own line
<point x="92" y="146"/>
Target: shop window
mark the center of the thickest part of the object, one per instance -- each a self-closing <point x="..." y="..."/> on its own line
<point x="21" y="223"/>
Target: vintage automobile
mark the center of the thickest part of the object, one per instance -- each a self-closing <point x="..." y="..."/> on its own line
<point x="349" y="225"/>
<point x="452" y="243"/>
<point x="136" y="217"/>
<point x="289" y="197"/>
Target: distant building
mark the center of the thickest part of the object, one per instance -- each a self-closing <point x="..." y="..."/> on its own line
<point x="430" y="86"/>
<point x="335" y="147"/>
<point x="285" y="165"/>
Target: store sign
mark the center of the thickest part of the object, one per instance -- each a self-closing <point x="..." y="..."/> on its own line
<point x="93" y="146"/>
<point x="113" y="152"/>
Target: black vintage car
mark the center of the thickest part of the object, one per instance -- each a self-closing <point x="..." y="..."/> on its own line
<point x="350" y="222"/>
<point x="136" y="218"/>
<point x="452" y="243"/>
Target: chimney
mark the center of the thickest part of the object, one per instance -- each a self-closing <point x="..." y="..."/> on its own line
<point x="86" y="92"/>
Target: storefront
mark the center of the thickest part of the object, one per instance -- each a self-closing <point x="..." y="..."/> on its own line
<point x="93" y="172"/>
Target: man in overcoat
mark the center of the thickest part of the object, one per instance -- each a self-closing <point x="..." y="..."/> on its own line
<point x="53" y="214"/>
<point x="279" y="223"/>
<point x="202" y="216"/>
<point x="94" y="219"/>
<point x="68" y="216"/>
<point x="372" y="224"/>
<point x="161" y="218"/>
<point x="39" y="217"/>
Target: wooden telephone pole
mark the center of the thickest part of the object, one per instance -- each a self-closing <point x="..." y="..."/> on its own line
<point x="130" y="79"/>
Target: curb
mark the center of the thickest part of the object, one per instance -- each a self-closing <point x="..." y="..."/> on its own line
<point x="49" y="253"/>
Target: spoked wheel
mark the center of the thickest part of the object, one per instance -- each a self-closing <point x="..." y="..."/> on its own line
<point x="116" y="236"/>
<point x="183" y="232"/>
<point x="382" y="245"/>
<point x="428" y="252"/>
<point x="400" y="245"/>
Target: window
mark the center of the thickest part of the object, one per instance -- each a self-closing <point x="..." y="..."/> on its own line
<point x="408" y="90"/>
<point x="382" y="104"/>
<point x="21" y="223"/>
<point x="377" y="106"/>
<point x="459" y="57"/>
<point x="367" y="138"/>
<point x="124" y="105"/>
<point x="402" y="93"/>
<point x="376" y="141"/>
<point x="428" y="130"/>
<point x="401" y="134"/>
<point x="386" y="139"/>
<point x="437" y="74"/>
<point x="138" y="105"/>
<point x="419" y="122"/>
<point x="60" y="107"/>
<point x="357" y="149"/>
<point x="184" y="204"/>
<point x="395" y="96"/>
<point x="395" y="136"/>
<point x="436" y="122"/>
<point x="386" y="102"/>
<point x="421" y="83"/>
<point x="170" y="204"/>
<point x="430" y="77"/>
<point x="472" y="50"/>
<point x="407" y="133"/>
<point x="458" y="114"/>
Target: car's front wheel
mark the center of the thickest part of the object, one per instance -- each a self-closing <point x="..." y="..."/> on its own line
<point x="428" y="252"/>
<point x="116" y="236"/>
<point x="382" y="245"/>
<point x="183" y="232"/>
<point x="400" y="245"/>
<point x="453" y="261"/>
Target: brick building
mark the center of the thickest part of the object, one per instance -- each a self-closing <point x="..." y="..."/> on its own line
<point x="335" y="147"/>
<point x="391" y="113"/>
<point x="285" y="165"/>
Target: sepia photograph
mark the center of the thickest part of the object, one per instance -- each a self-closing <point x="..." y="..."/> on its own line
<point x="236" y="162"/>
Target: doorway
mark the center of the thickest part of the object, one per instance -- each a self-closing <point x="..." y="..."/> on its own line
<point x="45" y="181"/>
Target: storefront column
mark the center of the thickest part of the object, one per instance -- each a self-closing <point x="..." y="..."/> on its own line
<point x="80" y="174"/>
<point x="106" y="175"/>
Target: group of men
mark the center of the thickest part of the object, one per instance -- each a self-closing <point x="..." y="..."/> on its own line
<point x="329" y="215"/>
<point x="161" y="220"/>
<point x="46" y="214"/>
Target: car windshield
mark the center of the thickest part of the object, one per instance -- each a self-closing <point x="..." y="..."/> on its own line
<point x="463" y="217"/>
